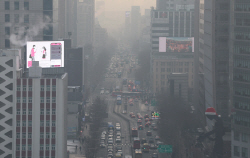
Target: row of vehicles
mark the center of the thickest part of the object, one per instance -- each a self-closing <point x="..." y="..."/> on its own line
<point x="119" y="100"/>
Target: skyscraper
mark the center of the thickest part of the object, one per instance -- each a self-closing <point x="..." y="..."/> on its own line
<point x="135" y="23"/>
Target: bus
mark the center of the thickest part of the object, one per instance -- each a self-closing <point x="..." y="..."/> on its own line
<point x="119" y="101"/>
<point x="134" y="132"/>
<point x="145" y="147"/>
<point x="136" y="143"/>
<point x="138" y="153"/>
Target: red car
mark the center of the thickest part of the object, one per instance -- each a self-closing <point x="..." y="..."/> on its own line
<point x="140" y="117"/>
<point x="149" y="123"/>
<point x="150" y="119"/>
<point x="157" y="138"/>
<point x="140" y="127"/>
<point x="132" y="116"/>
<point x="146" y="116"/>
<point x="155" y="128"/>
<point x="131" y="113"/>
<point x="149" y="133"/>
<point x="139" y="121"/>
<point x="146" y="120"/>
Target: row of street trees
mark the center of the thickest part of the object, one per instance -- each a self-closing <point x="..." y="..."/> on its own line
<point x="97" y="113"/>
<point x="175" y="123"/>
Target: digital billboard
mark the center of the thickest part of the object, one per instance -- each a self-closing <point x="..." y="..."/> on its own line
<point x="176" y="44"/>
<point x="48" y="53"/>
<point x="155" y="115"/>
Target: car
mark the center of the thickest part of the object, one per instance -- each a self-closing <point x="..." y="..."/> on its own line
<point x="133" y="116"/>
<point x="119" y="152"/>
<point x="117" y="128"/>
<point x="118" y="133"/>
<point x="153" y="124"/>
<point x="102" y="145"/>
<point x="155" y="128"/>
<point x="110" y="150"/>
<point x="146" y="116"/>
<point x="102" y="88"/>
<point x="107" y="92"/>
<point x="118" y="155"/>
<point x="149" y="123"/>
<point x="147" y="119"/>
<point x="118" y="125"/>
<point x="110" y="142"/>
<point x="110" y="146"/>
<point x="124" y="111"/>
<point x="157" y="138"/>
<point x="131" y="113"/>
<point x="102" y="142"/>
<point x="154" y="155"/>
<point x="110" y="139"/>
<point x="140" y="127"/>
<point x="104" y="132"/>
<point x="151" y="140"/>
<point x="111" y="132"/>
<point x="110" y="156"/>
<point x="102" y="138"/>
<point x="118" y="140"/>
<point x="118" y="147"/>
<point x="118" y="137"/>
<point x="102" y="92"/>
<point x="139" y="121"/>
<point x="140" y="117"/>
<point x="103" y="135"/>
<point x="149" y="133"/>
<point x="143" y="140"/>
<point x="159" y="143"/>
<point x="138" y="114"/>
<point x="110" y="136"/>
<point x="153" y="146"/>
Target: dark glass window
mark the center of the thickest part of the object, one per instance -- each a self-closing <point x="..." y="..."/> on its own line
<point x="47" y="4"/>
<point x="7" y="17"/>
<point x="7" y="5"/>
<point x="7" y="43"/>
<point x="7" y="30"/>
<point x="16" y="5"/>
<point x="26" y="5"/>
<point x="16" y="18"/>
<point x="156" y="14"/>
<point x="26" y="18"/>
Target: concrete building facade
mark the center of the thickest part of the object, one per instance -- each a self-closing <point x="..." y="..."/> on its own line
<point x="135" y="23"/>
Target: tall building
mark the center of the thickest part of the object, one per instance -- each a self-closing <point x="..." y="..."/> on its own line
<point x="173" y="4"/>
<point x="31" y="20"/>
<point x="213" y="52"/>
<point x="40" y="114"/>
<point x="135" y="23"/>
<point x="10" y="70"/>
<point x="240" y="77"/>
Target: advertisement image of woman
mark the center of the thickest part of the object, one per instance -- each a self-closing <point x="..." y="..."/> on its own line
<point x="44" y="52"/>
<point x="32" y="53"/>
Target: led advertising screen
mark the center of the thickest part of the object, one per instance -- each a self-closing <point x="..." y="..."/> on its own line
<point x="48" y="53"/>
<point x="176" y="44"/>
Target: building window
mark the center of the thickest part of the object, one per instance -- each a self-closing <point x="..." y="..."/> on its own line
<point x="17" y="135"/>
<point x="24" y="111"/>
<point x="16" y="18"/>
<point x="244" y="137"/>
<point x="48" y="100"/>
<point x="53" y="135"/>
<point x="24" y="135"/>
<point x="30" y="111"/>
<point x="47" y="146"/>
<point x="53" y="123"/>
<point x="47" y="135"/>
<point x="236" y="151"/>
<point x="7" y="43"/>
<point x="168" y="69"/>
<point x="29" y="147"/>
<point x="53" y="87"/>
<point x="162" y="63"/>
<point x="18" y="123"/>
<point x="24" y="124"/>
<point x="162" y="77"/>
<point x="47" y="111"/>
<point x="41" y="135"/>
<point x="7" y="30"/>
<point x="7" y="5"/>
<point x="186" y="64"/>
<point x="24" y="148"/>
<point x="156" y="63"/>
<point x="41" y="123"/>
<point x="156" y="69"/>
<point x="16" y="5"/>
<point x="162" y="83"/>
<point x="47" y="123"/>
<point x="181" y="63"/>
<point x="53" y="99"/>
<point x="53" y="147"/>
<point x="24" y="88"/>
<point x="244" y="153"/>
<point x="7" y="17"/>
<point x="42" y="99"/>
<point x="24" y="99"/>
<point x="29" y="135"/>
<point x="41" y="147"/>
<point x="18" y="147"/>
<point x="18" y="111"/>
<point x="26" y="5"/>
<point x="53" y="111"/>
<point x="30" y="99"/>
<point x="48" y="88"/>
<point x="18" y="88"/>
<point x="186" y="69"/>
<point x="30" y="88"/>
<point x="162" y="69"/>
<point x="26" y="18"/>
<point x="236" y="136"/>
<point x="42" y="112"/>
<point x="180" y="69"/>
<point x="29" y="123"/>
<point x="42" y="87"/>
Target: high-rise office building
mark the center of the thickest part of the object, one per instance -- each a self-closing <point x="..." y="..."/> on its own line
<point x="31" y="20"/>
<point x="240" y="78"/>
<point x="135" y="17"/>
<point x="9" y="71"/>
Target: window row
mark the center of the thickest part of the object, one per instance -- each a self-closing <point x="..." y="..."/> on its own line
<point x="242" y="77"/>
<point x="18" y="88"/>
<point x="16" y="5"/>
<point x="244" y="152"/>
<point x="242" y="91"/>
<point x="242" y="120"/>
<point x="244" y="137"/>
<point x="173" y="63"/>
<point x="242" y="22"/>
<point x="24" y="123"/>
<point x="23" y="136"/>
<point x="241" y="63"/>
<point x="242" y="7"/>
<point x="23" y="148"/>
<point x="18" y="111"/>
<point x="48" y="135"/>
<point x="47" y="147"/>
<point x="47" y="111"/>
<point x="24" y="100"/>
<point x="242" y="105"/>
<point x="242" y="49"/>
<point x="242" y="36"/>
<point x="48" y="88"/>
<point x="47" y="99"/>
<point x="17" y="18"/>
<point x="53" y="123"/>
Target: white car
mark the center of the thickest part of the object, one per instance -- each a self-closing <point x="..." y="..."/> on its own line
<point x="118" y="134"/>
<point x="102" y="92"/>
<point x="118" y="140"/>
<point x="118" y="125"/>
<point x="110" y="141"/>
<point x="104" y="133"/>
<point x="118" y="128"/>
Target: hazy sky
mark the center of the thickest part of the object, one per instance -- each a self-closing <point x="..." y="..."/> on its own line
<point x="125" y="5"/>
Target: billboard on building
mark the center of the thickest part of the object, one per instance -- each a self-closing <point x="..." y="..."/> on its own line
<point x="176" y="44"/>
<point x="48" y="53"/>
